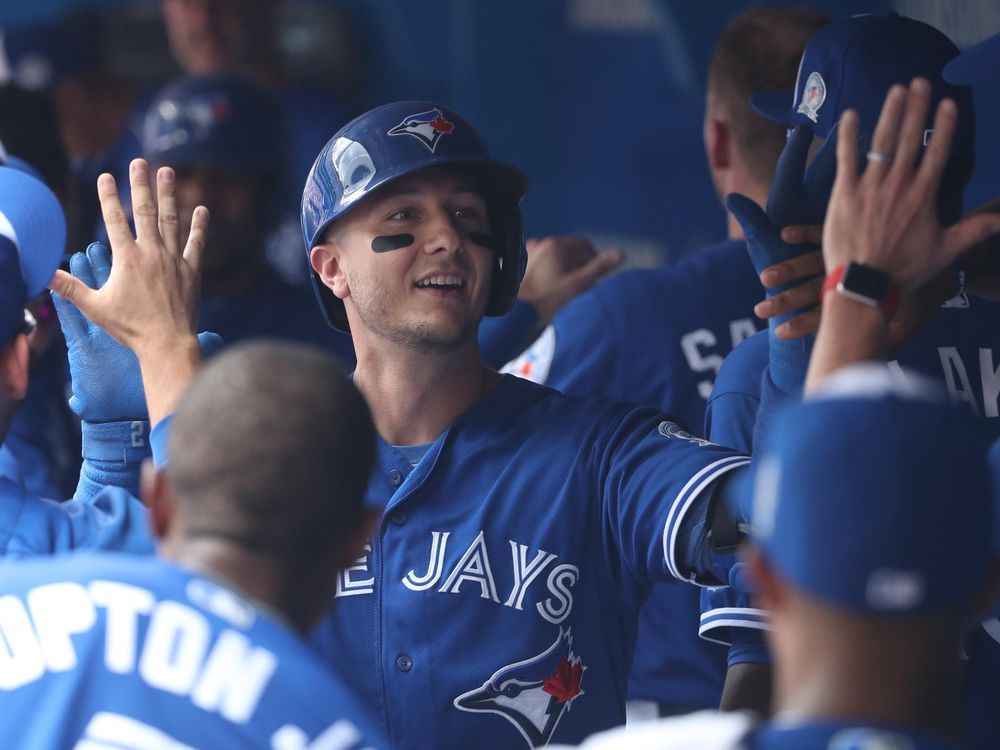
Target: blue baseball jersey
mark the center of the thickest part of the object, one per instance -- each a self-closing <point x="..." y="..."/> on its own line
<point x="959" y="347"/>
<point x="655" y="337"/>
<point x="658" y="337"/>
<point x="981" y="704"/>
<point x="497" y="604"/>
<point x="33" y="526"/>
<point x="106" y="650"/>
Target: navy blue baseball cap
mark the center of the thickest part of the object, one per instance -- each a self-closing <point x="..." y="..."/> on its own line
<point x="32" y="236"/>
<point x="853" y="62"/>
<point x="219" y="120"/>
<point x="877" y="499"/>
<point x="39" y="56"/>
<point x="977" y="64"/>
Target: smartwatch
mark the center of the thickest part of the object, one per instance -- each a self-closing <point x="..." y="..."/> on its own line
<point x="864" y="284"/>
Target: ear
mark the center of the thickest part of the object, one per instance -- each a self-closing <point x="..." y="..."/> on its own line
<point x="770" y="591"/>
<point x="157" y="495"/>
<point x="14" y="368"/>
<point x="718" y="144"/>
<point x="325" y="261"/>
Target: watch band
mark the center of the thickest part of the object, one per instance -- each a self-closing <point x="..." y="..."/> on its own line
<point x="864" y="284"/>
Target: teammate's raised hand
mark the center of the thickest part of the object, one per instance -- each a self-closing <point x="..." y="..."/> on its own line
<point x="886" y="217"/>
<point x="149" y="302"/>
<point x="151" y="296"/>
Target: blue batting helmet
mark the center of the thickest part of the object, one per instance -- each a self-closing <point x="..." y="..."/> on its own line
<point x="218" y="120"/>
<point x="398" y="139"/>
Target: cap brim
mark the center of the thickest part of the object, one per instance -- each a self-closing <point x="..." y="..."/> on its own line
<point x="774" y="105"/>
<point x="978" y="63"/>
<point x="31" y="217"/>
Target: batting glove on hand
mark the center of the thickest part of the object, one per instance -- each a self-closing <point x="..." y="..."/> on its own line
<point x="107" y="382"/>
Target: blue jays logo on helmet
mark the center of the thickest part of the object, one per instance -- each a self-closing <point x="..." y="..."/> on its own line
<point x="532" y="694"/>
<point x="427" y="127"/>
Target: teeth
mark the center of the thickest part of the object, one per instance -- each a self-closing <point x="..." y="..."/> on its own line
<point x="441" y="281"/>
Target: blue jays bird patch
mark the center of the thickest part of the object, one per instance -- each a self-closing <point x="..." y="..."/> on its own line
<point x="534" y="693"/>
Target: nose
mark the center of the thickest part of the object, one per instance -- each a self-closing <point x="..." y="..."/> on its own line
<point x="441" y="234"/>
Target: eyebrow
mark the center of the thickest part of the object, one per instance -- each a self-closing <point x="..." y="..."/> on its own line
<point x="401" y="191"/>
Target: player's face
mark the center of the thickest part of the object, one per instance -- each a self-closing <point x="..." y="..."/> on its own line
<point x="210" y="35"/>
<point x="234" y="200"/>
<point x="428" y="294"/>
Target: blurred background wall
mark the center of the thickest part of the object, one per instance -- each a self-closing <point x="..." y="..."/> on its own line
<point x="599" y="101"/>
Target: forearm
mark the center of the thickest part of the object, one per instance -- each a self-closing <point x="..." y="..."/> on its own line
<point x="849" y="332"/>
<point x="167" y="370"/>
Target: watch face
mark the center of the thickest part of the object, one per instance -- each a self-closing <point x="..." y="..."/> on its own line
<point x="865" y="281"/>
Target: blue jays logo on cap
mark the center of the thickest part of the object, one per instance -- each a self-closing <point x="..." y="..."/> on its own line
<point x="427" y="127"/>
<point x="190" y="120"/>
<point x="532" y="694"/>
<point x="813" y="96"/>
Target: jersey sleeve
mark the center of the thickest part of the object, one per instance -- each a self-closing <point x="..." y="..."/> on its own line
<point x="657" y="480"/>
<point x="732" y="408"/>
<point x="32" y="526"/>
<point x="573" y="354"/>
<point x="729" y="617"/>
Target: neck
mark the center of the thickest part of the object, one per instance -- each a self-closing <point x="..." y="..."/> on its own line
<point x="833" y="678"/>
<point x="414" y="395"/>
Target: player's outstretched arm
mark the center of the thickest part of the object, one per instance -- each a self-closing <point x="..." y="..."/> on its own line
<point x="150" y="301"/>
<point x="885" y="218"/>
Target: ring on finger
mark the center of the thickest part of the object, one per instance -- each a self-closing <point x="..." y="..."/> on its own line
<point x="879" y="157"/>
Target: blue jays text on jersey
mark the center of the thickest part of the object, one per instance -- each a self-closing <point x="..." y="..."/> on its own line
<point x="109" y="650"/>
<point x="657" y="337"/>
<point x="497" y="605"/>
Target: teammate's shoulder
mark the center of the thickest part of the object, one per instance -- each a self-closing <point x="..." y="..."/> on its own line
<point x="743" y="367"/>
<point x="705" y="730"/>
<point x="550" y="406"/>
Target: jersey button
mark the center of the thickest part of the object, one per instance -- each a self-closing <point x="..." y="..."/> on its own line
<point x="395" y="477"/>
<point x="404" y="663"/>
<point x="398" y="517"/>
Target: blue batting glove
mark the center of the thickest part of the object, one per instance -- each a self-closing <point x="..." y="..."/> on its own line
<point x="107" y="382"/>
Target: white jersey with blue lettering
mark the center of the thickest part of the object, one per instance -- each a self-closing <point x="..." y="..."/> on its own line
<point x="498" y="602"/>
<point x="105" y="650"/>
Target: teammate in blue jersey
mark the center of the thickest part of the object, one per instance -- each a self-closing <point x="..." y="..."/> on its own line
<point x="32" y="233"/>
<point x="204" y="645"/>
<point x="864" y="643"/>
<point x="497" y="604"/>
<point x="843" y="65"/>
<point x="658" y="336"/>
<point x="222" y="135"/>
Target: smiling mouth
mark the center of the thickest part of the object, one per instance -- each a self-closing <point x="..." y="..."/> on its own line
<point x="442" y="283"/>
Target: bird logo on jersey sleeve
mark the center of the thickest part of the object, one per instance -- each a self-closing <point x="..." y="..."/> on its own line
<point x="532" y="694"/>
<point x="427" y="127"/>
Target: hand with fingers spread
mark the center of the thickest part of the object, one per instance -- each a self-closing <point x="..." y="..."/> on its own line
<point x="149" y="302"/>
<point x="560" y="268"/>
<point x="151" y="296"/>
<point x="886" y="217"/>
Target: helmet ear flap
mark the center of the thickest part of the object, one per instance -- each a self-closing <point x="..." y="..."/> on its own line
<point x="511" y="256"/>
<point x="331" y="305"/>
